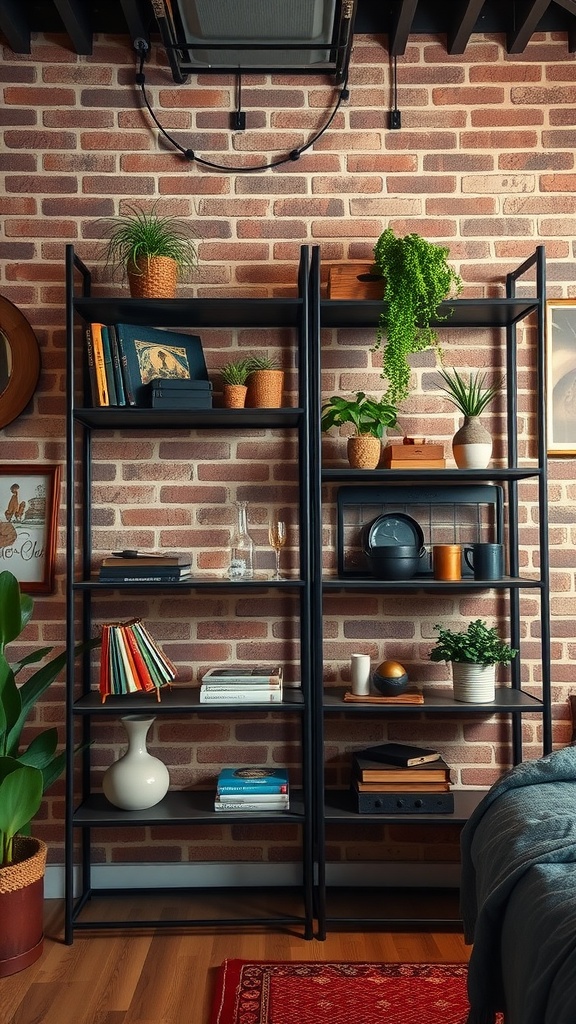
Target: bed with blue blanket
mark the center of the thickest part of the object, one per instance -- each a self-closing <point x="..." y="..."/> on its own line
<point x="518" y="895"/>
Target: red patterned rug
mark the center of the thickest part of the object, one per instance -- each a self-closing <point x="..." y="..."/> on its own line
<point x="339" y="993"/>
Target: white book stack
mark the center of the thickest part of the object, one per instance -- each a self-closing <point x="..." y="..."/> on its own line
<point x="246" y="684"/>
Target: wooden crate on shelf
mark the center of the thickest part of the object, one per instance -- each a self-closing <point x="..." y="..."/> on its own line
<point x="354" y="281"/>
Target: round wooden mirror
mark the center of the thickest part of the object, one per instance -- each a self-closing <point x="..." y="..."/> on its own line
<point x="19" y="362"/>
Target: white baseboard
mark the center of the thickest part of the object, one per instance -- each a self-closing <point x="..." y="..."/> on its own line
<point x="242" y="875"/>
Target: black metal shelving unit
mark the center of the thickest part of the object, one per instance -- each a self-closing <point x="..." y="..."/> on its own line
<point x="334" y="807"/>
<point x="86" y="810"/>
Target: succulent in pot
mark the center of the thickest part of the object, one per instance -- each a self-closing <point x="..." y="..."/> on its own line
<point x="152" y="249"/>
<point x="370" y="418"/>
<point x="235" y="376"/>
<point x="265" y="383"/>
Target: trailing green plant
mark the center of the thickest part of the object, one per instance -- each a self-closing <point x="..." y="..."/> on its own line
<point x="139" y="234"/>
<point x="368" y="415"/>
<point x="236" y="372"/>
<point x="24" y="773"/>
<point x="417" y="278"/>
<point x="264" y="363"/>
<point x="469" y="396"/>
<point x="478" y="644"/>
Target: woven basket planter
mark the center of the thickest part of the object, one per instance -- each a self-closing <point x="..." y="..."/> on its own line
<point x="364" y="451"/>
<point x="154" y="278"/>
<point x="22" y="906"/>
<point x="265" y="389"/>
<point x="234" y="396"/>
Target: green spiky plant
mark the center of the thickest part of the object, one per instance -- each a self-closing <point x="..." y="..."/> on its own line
<point x="417" y="278"/>
<point x="478" y="644"/>
<point x="24" y="773"/>
<point x="264" y="363"/>
<point x="368" y="415"/>
<point x="138" y="234"/>
<point x="236" y="372"/>
<point x="469" y="396"/>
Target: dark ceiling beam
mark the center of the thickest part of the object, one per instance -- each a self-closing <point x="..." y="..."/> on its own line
<point x="76" y="23"/>
<point x="400" y="29"/>
<point x="14" y="26"/>
<point x="568" y="5"/>
<point x="526" y="16"/>
<point x="463" y="20"/>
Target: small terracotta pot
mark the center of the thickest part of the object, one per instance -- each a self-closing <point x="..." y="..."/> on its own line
<point x="265" y="389"/>
<point x="234" y="396"/>
<point x="153" y="277"/>
<point x="364" y="451"/>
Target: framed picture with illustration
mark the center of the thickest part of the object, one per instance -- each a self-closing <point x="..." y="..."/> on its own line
<point x="561" y="376"/>
<point x="29" y="503"/>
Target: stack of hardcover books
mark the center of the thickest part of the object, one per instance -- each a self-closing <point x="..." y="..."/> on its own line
<point x="145" y="569"/>
<point x="131" y="661"/>
<point x="164" y="393"/>
<point x="252" y="789"/>
<point x="245" y="684"/>
<point x="397" y="778"/>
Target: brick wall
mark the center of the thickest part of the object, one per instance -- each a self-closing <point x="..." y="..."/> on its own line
<point x="484" y="163"/>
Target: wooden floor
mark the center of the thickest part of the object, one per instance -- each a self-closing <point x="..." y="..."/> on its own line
<point x="134" y="977"/>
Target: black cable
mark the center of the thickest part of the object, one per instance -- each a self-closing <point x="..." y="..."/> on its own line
<point x="190" y="155"/>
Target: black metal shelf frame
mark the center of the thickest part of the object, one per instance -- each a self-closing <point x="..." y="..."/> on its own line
<point x="504" y="313"/>
<point x="82" y="705"/>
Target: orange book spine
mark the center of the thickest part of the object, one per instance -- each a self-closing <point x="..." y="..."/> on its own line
<point x="99" y="364"/>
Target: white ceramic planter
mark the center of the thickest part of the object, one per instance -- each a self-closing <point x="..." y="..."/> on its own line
<point x="473" y="684"/>
<point x="472" y="445"/>
<point x="137" y="780"/>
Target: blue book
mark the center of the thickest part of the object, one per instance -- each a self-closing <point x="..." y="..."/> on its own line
<point x="253" y="780"/>
<point x="116" y="366"/>
<point x="149" y="352"/>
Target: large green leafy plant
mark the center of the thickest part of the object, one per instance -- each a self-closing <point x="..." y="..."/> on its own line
<point x="478" y="644"/>
<point x="417" y="277"/>
<point x="24" y="772"/>
<point x="368" y="415"/>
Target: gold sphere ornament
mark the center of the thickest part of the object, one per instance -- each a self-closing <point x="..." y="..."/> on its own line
<point x="390" y="678"/>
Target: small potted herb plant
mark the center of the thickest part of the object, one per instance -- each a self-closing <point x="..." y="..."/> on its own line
<point x="370" y="417"/>
<point x="417" y="278"/>
<point x="473" y="653"/>
<point x="153" y="250"/>
<point x="235" y="382"/>
<point x="471" y="444"/>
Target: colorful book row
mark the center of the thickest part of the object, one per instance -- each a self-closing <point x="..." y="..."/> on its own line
<point x="131" y="661"/>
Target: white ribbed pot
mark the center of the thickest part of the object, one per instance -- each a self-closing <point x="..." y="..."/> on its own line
<point x="138" y="779"/>
<point x="473" y="684"/>
<point x="472" y="445"/>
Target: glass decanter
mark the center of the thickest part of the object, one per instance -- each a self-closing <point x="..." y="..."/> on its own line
<point x="241" y="565"/>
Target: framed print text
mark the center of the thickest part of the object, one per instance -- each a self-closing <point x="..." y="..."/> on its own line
<point x="561" y="376"/>
<point x="29" y="502"/>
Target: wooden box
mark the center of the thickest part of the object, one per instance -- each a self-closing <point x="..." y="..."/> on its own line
<point x="354" y="281"/>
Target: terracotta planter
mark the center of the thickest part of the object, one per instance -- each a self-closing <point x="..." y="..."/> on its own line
<point x="234" y="396"/>
<point x="22" y="906"/>
<point x="154" y="277"/>
<point x="265" y="389"/>
<point x="364" y="451"/>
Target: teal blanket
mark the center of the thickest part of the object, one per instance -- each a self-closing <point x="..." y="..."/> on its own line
<point x="528" y="818"/>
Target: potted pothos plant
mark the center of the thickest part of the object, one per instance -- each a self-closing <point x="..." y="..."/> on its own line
<point x="473" y="653"/>
<point x="154" y="251"/>
<point x="26" y="771"/>
<point x="417" y="278"/>
<point x="370" y="418"/>
<point x="472" y="443"/>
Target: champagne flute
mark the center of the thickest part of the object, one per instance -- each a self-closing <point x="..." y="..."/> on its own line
<point x="277" y="537"/>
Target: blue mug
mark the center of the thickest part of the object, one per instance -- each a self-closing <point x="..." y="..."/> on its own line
<point x="486" y="561"/>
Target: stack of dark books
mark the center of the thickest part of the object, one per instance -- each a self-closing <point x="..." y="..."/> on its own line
<point x="145" y="569"/>
<point x="169" y="393"/>
<point x="395" y="778"/>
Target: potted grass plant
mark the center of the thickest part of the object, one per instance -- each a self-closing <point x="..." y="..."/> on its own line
<point x="234" y="376"/>
<point x="417" y="278"/>
<point x="472" y="443"/>
<point x="370" y="418"/>
<point x="265" y="383"/>
<point x="153" y="250"/>
<point x="26" y="771"/>
<point x="473" y="653"/>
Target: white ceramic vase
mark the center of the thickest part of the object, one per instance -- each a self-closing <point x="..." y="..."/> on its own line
<point x="473" y="684"/>
<point x="137" y="780"/>
<point x="472" y="445"/>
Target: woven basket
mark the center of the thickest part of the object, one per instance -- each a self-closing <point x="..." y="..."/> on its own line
<point x="265" y="389"/>
<point x="234" y="396"/>
<point x="28" y="866"/>
<point x="154" y="278"/>
<point x="364" y="451"/>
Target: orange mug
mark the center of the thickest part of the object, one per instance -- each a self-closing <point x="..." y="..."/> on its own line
<point x="447" y="561"/>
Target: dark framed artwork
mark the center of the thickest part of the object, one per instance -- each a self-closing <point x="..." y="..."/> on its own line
<point x="561" y="376"/>
<point x="148" y="353"/>
<point x="19" y="362"/>
<point x="29" y="503"/>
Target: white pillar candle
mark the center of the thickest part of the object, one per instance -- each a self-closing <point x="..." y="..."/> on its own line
<point x="360" y="674"/>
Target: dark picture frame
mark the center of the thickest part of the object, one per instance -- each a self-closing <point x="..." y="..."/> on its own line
<point x="29" y="505"/>
<point x="19" y="362"/>
<point x="561" y="376"/>
<point x="148" y="353"/>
